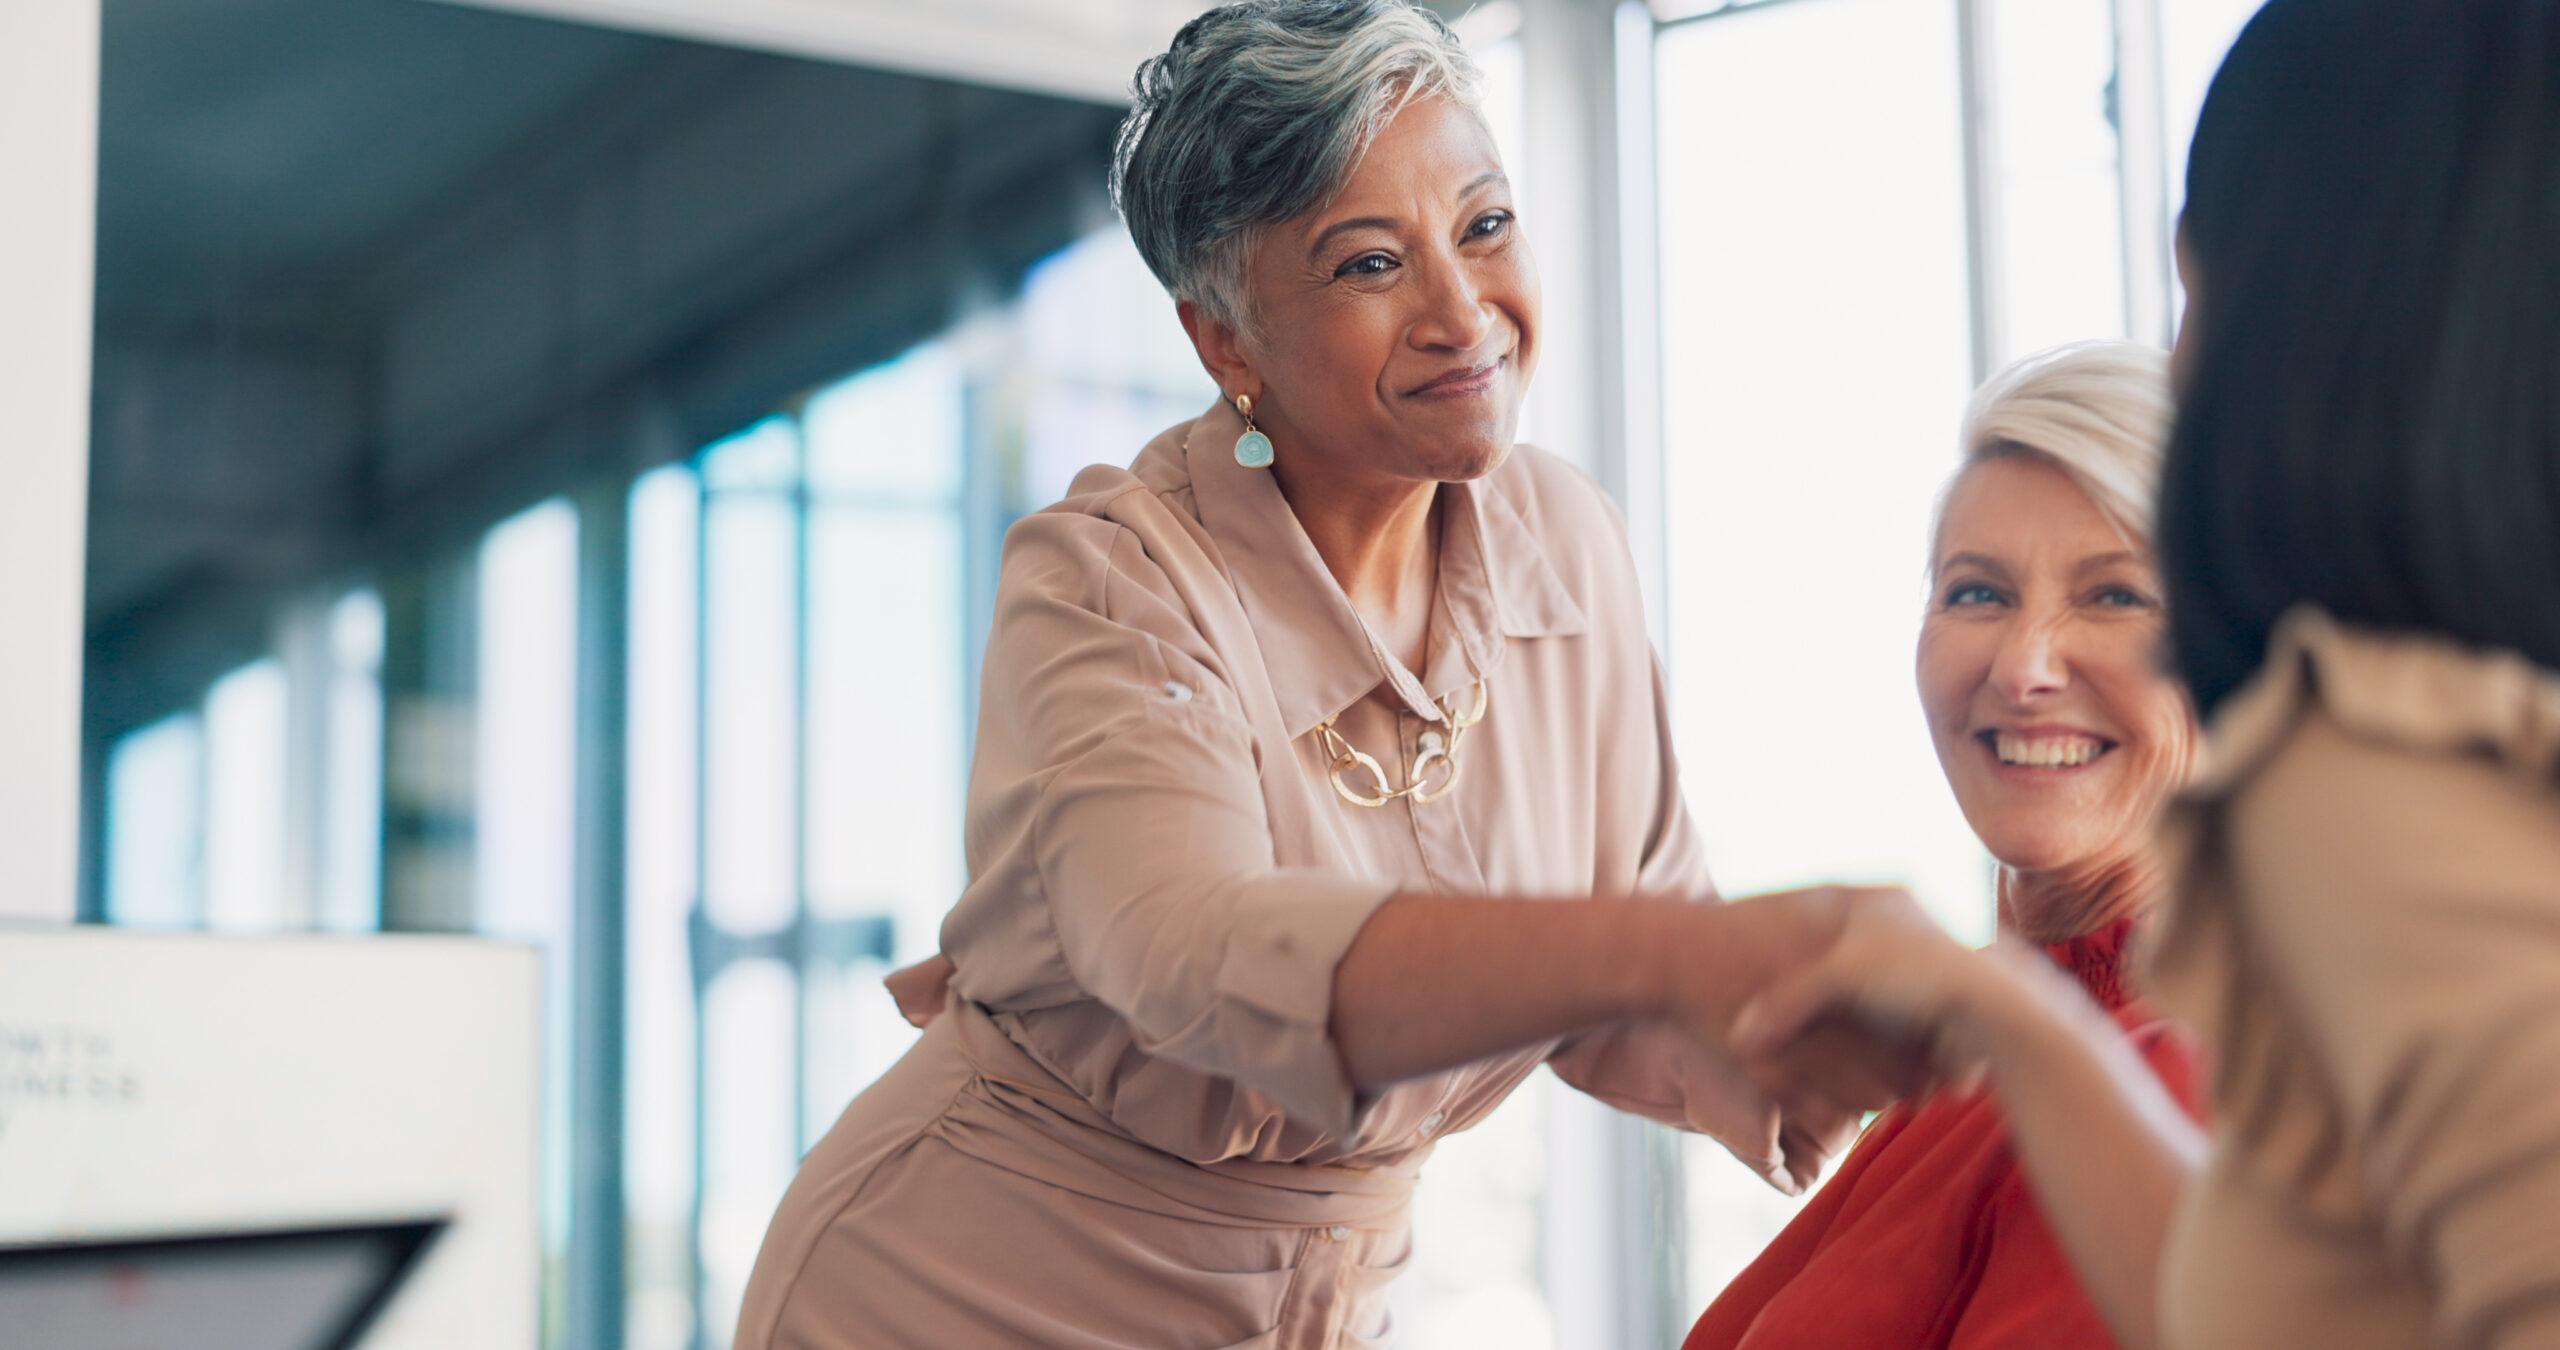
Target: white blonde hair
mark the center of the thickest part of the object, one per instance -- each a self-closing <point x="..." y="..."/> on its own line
<point x="2098" y="411"/>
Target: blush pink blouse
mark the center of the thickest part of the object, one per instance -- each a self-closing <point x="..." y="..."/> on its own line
<point x="1130" y="1126"/>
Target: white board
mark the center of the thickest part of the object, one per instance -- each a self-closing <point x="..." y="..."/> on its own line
<point x="154" y="1083"/>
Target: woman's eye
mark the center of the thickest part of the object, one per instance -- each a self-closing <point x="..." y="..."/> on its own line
<point x="1489" y="225"/>
<point x="1971" y="593"/>
<point x="2123" y="597"/>
<point x="1366" y="265"/>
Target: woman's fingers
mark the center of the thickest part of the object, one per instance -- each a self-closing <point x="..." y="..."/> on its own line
<point x="1812" y="1135"/>
<point x="1783" y="1010"/>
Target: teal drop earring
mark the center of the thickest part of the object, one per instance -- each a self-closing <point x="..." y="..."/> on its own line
<point x="1253" y="449"/>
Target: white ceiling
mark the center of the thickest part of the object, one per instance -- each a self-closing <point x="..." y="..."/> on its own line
<point x="1080" y="48"/>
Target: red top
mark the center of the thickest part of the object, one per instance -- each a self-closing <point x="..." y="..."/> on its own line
<point x="1928" y="1238"/>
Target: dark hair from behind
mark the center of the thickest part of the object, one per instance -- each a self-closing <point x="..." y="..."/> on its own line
<point x="2371" y="422"/>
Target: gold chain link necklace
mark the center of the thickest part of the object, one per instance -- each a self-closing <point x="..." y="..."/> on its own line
<point x="1348" y="758"/>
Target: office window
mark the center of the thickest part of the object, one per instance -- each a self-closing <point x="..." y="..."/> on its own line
<point x="1478" y="1272"/>
<point x="155" y="825"/>
<point x="2055" y="208"/>
<point x="751" y="690"/>
<point x="887" y="727"/>
<point x="1817" y="354"/>
<point x="1100" y="365"/>
<point x="751" y="820"/>
<point x="525" y="811"/>
<point x="750" y="1139"/>
<point x="350" y="802"/>
<point x="660" y="859"/>
<point x="833" y="712"/>
<point x="244" y="850"/>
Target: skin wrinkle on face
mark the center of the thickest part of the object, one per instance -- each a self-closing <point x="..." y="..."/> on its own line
<point x="2040" y="618"/>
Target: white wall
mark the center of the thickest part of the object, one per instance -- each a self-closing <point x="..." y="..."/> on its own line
<point x="159" y="1083"/>
<point x="48" y="164"/>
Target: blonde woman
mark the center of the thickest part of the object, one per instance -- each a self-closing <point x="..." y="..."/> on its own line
<point x="2063" y="737"/>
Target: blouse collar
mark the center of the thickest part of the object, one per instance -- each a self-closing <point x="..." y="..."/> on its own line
<point x="2425" y="693"/>
<point x="1495" y="583"/>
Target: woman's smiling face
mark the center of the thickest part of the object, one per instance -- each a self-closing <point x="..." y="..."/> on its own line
<point x="1394" y="328"/>
<point x="2040" y="672"/>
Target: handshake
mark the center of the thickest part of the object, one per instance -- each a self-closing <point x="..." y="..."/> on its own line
<point x="1841" y="1000"/>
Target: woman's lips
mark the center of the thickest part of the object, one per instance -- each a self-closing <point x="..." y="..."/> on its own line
<point x="1461" y="383"/>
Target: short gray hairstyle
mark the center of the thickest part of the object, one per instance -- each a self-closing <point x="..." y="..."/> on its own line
<point x="2098" y="411"/>
<point x="1256" y="114"/>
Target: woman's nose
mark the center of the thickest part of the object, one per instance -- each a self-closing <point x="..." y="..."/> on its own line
<point x="1458" y="318"/>
<point x="2030" y="664"/>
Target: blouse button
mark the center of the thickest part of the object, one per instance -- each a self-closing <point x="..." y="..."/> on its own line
<point x="1339" y="1233"/>
<point x="1431" y="743"/>
<point x="1431" y="1123"/>
<point x="1177" y="691"/>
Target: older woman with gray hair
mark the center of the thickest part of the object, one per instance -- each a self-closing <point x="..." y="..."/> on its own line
<point x="1286" y="725"/>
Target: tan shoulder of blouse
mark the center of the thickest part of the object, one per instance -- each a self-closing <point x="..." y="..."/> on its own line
<point x="2365" y="926"/>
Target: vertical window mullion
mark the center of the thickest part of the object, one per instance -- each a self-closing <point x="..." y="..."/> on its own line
<point x="698" y="926"/>
<point x="1976" y="109"/>
<point x="2150" y="283"/>
<point x="801" y="919"/>
<point x="599" y="951"/>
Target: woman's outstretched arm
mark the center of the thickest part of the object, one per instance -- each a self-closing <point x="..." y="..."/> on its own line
<point x="1433" y="982"/>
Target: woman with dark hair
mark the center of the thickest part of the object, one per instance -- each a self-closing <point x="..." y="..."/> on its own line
<point x="2360" y="535"/>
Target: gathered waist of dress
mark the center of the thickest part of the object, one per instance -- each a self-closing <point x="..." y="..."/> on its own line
<point x="1017" y="1115"/>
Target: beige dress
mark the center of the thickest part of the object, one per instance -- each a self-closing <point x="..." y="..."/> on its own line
<point x="2367" y="931"/>
<point x="1130" y="1128"/>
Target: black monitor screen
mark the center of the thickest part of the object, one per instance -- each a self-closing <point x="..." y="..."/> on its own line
<point x="300" y="1289"/>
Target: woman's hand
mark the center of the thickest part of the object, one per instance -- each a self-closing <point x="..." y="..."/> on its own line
<point x="921" y="988"/>
<point x="1892" y="986"/>
<point x="1830" y="1071"/>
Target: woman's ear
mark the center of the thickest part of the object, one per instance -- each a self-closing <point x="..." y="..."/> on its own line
<point x="1221" y="351"/>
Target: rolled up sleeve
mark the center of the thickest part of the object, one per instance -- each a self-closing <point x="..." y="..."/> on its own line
<point x="1121" y="846"/>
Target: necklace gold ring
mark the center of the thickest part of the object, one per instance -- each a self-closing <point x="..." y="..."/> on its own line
<point x="1349" y="759"/>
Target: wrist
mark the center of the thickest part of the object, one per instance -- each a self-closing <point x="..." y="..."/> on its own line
<point x="1704" y="962"/>
<point x="1660" y="957"/>
<point x="2017" y="1006"/>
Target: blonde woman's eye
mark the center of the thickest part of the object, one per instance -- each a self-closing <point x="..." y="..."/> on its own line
<point x="1971" y="593"/>
<point x="2123" y="597"/>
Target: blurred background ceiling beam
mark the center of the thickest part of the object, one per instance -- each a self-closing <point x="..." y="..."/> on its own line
<point x="1073" y="48"/>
